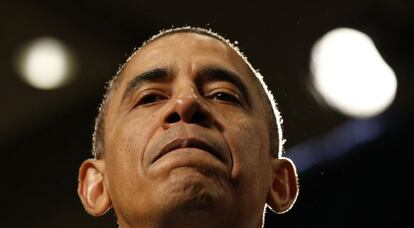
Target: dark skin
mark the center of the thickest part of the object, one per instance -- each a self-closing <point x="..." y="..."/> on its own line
<point x="187" y="142"/>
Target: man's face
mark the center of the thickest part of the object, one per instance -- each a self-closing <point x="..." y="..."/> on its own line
<point x="186" y="131"/>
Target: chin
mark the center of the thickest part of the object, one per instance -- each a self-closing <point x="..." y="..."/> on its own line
<point x="187" y="187"/>
<point x="193" y="202"/>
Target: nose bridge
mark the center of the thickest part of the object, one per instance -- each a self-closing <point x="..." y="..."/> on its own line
<point x="187" y="106"/>
<point x="187" y="93"/>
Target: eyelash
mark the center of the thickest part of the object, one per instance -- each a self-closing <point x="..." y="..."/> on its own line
<point x="224" y="96"/>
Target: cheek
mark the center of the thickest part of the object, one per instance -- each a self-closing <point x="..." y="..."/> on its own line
<point x="251" y="171"/>
<point x="249" y="145"/>
<point x="130" y="140"/>
<point x="125" y="160"/>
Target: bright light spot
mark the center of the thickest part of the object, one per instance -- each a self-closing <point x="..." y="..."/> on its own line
<point x="45" y="64"/>
<point x="351" y="75"/>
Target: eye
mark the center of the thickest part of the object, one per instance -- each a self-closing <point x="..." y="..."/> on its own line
<point x="225" y="96"/>
<point x="151" y="98"/>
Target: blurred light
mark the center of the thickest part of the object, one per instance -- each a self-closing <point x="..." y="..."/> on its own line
<point x="45" y="64"/>
<point x="344" y="139"/>
<point x="350" y="74"/>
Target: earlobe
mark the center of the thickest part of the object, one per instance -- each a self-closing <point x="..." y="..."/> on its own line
<point x="284" y="188"/>
<point x="91" y="187"/>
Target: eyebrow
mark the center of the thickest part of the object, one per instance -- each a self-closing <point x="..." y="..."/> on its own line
<point x="209" y="73"/>
<point x="148" y="76"/>
<point x="220" y="74"/>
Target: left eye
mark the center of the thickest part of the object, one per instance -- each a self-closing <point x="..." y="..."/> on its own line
<point x="225" y="96"/>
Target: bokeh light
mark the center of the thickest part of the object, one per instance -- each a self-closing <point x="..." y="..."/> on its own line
<point x="350" y="74"/>
<point x="45" y="64"/>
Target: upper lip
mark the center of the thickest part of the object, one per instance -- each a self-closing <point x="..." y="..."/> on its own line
<point x="178" y="143"/>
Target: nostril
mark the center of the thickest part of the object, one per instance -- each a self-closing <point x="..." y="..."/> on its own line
<point x="173" y="118"/>
<point x="198" y="117"/>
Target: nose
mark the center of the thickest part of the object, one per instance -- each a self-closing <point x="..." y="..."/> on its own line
<point x="189" y="108"/>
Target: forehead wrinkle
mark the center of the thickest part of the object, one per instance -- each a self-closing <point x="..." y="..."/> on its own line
<point x="225" y="47"/>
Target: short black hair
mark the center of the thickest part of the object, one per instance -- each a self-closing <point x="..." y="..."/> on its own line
<point x="275" y="119"/>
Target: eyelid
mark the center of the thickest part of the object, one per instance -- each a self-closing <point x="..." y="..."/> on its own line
<point x="225" y="90"/>
<point x="229" y="91"/>
<point x="146" y="92"/>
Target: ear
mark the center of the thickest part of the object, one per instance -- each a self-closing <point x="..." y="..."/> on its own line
<point x="91" y="188"/>
<point x="284" y="189"/>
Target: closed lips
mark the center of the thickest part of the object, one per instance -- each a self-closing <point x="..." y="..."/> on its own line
<point x="179" y="143"/>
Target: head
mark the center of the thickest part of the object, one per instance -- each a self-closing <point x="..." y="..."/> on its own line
<point x="187" y="130"/>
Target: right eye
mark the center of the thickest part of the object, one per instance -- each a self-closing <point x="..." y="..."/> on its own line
<point x="150" y="99"/>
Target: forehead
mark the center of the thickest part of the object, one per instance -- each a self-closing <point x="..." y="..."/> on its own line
<point x="188" y="48"/>
<point x="186" y="43"/>
<point x="188" y="40"/>
<point x="187" y="51"/>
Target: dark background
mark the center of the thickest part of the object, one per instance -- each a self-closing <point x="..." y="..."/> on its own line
<point x="45" y="135"/>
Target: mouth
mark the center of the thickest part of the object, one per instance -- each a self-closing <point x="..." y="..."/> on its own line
<point x="179" y="143"/>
